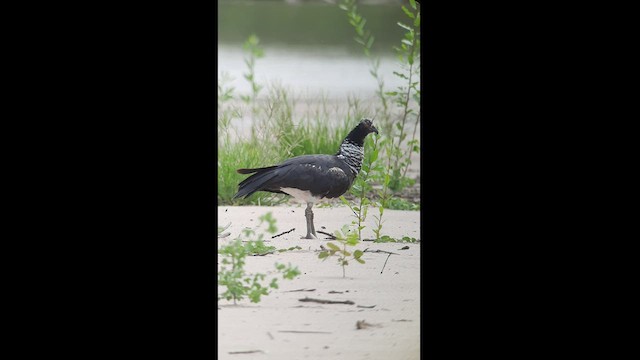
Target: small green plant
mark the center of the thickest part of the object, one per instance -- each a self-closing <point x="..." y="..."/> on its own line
<point x="387" y="239"/>
<point x="398" y="155"/>
<point x="366" y="40"/>
<point x="397" y="203"/>
<point x="258" y="248"/>
<point x="232" y="275"/>
<point x="225" y="93"/>
<point x="240" y="284"/>
<point x="271" y="225"/>
<point x="290" y="249"/>
<point x="361" y="187"/>
<point x="346" y="237"/>
<point x="408" y="54"/>
<point x="226" y="111"/>
<point x="378" y="229"/>
<point x="252" y="46"/>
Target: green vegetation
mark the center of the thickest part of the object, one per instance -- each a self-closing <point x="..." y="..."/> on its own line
<point x="405" y="239"/>
<point x="273" y="125"/>
<point x="232" y="274"/>
<point x="362" y="187"/>
<point x="252" y="46"/>
<point x="407" y="53"/>
<point x="392" y="176"/>
<point x="276" y="120"/>
<point x="256" y="131"/>
<point x="346" y="237"/>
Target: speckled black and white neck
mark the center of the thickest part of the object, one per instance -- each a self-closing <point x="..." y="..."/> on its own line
<point x="352" y="148"/>
<point x="352" y="154"/>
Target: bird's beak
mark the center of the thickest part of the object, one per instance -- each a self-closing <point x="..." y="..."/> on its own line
<point x="373" y="129"/>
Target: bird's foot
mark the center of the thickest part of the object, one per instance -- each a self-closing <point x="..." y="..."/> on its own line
<point x="309" y="236"/>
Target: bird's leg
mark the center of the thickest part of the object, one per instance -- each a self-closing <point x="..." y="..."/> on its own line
<point x="311" y="230"/>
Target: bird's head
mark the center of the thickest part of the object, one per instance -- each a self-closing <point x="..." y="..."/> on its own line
<point x="360" y="132"/>
<point x="367" y="125"/>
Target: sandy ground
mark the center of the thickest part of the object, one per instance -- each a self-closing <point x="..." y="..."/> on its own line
<point x="282" y="327"/>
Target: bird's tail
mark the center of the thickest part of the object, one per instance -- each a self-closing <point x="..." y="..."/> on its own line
<point x="254" y="182"/>
<point x="251" y="171"/>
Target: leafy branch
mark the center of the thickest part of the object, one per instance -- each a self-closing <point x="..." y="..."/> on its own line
<point x="346" y="237"/>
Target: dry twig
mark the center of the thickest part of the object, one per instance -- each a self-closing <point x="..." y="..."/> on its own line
<point x="263" y="254"/>
<point x="332" y="237"/>
<point x="246" y="352"/>
<point x="379" y="251"/>
<point x="286" y="232"/>
<point x="361" y="324"/>
<point x="348" y="302"/>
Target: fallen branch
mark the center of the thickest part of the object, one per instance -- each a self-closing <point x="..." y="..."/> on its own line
<point x="263" y="254"/>
<point x="361" y="324"/>
<point x="385" y="263"/>
<point x="245" y="352"/>
<point x="348" y="302"/>
<point x="380" y="251"/>
<point x="286" y="232"/>
<point x="326" y="233"/>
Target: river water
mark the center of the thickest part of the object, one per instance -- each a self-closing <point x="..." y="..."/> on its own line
<point x="332" y="72"/>
<point x="309" y="47"/>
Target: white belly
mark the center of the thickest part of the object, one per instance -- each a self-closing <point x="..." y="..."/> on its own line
<point x="301" y="195"/>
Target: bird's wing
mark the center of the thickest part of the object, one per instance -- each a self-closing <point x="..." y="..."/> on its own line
<point x="322" y="175"/>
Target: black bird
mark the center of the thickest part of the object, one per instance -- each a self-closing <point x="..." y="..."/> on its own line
<point x="310" y="178"/>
